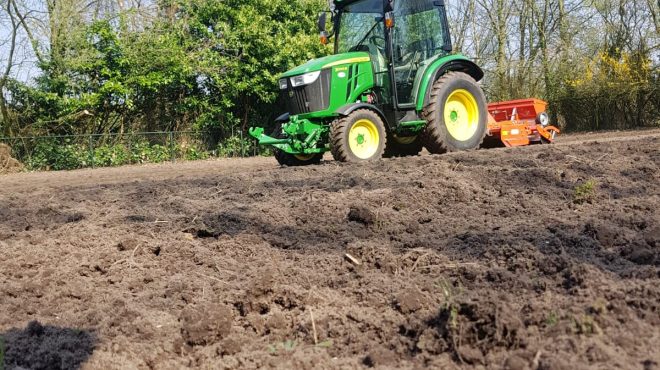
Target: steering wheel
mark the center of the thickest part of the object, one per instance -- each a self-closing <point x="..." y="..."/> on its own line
<point x="378" y="41"/>
<point x="414" y="60"/>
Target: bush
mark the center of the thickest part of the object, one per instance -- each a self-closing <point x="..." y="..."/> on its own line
<point x="57" y="155"/>
<point x="144" y="152"/>
<point x="614" y="91"/>
<point x="234" y="146"/>
<point x="111" y="155"/>
<point x="67" y="155"/>
<point x="192" y="154"/>
<point x="72" y="153"/>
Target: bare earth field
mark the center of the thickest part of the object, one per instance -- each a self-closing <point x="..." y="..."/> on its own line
<point x="544" y="257"/>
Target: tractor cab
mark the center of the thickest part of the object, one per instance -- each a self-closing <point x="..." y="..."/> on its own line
<point x="391" y="87"/>
<point x="401" y="38"/>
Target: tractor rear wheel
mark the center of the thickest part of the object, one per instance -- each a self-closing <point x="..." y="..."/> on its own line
<point x="293" y="160"/>
<point x="359" y="136"/>
<point x="456" y="116"/>
<point x="403" y="146"/>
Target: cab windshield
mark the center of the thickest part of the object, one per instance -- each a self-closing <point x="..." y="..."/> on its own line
<point x="361" y="26"/>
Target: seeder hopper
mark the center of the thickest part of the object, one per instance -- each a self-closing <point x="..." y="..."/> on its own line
<point x="519" y="122"/>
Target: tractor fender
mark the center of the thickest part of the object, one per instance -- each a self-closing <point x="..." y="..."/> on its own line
<point x="350" y="108"/>
<point x="283" y="118"/>
<point x="457" y="63"/>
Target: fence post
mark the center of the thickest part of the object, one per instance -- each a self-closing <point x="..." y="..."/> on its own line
<point x="130" y="148"/>
<point x="91" y="150"/>
<point x="242" y="145"/>
<point x="172" y="146"/>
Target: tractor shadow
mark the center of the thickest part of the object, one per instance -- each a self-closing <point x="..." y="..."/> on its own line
<point x="49" y="347"/>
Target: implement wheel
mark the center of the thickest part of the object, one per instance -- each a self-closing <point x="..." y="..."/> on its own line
<point x="360" y="136"/>
<point x="456" y="116"/>
<point x="293" y="160"/>
<point x="403" y="146"/>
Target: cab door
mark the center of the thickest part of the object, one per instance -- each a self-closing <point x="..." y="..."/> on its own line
<point x="419" y="36"/>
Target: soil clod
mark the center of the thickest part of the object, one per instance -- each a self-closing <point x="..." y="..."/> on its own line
<point x="361" y="215"/>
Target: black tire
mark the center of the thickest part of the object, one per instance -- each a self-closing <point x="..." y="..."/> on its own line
<point x="339" y="137"/>
<point x="436" y="136"/>
<point x="291" y="160"/>
<point x="400" y="147"/>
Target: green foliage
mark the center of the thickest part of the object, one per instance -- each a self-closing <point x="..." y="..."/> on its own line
<point x="57" y="155"/>
<point x="234" y="146"/>
<point x="74" y="153"/>
<point x="192" y="154"/>
<point x="209" y="64"/>
<point x="237" y="146"/>
<point x="111" y="155"/>
<point x="144" y="152"/>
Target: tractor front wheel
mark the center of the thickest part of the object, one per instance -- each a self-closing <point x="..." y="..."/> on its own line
<point x="456" y="116"/>
<point x="359" y="136"/>
<point x="293" y="160"/>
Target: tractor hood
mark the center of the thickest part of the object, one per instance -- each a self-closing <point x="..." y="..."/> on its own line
<point x="328" y="62"/>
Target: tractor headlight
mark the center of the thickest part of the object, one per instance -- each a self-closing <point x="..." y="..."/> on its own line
<point x="305" y="79"/>
<point x="284" y="84"/>
<point x="543" y="119"/>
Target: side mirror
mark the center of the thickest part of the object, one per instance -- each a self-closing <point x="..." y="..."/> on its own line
<point x="389" y="7"/>
<point x="322" y="24"/>
<point x="323" y="18"/>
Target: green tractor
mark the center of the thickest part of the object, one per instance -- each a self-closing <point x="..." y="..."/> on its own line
<point x="392" y="87"/>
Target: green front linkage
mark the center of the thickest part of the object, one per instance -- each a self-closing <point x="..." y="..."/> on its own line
<point x="302" y="137"/>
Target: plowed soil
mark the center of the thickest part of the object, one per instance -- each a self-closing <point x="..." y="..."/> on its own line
<point x="543" y="257"/>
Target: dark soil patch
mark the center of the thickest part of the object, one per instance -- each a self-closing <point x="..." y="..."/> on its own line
<point x="46" y="347"/>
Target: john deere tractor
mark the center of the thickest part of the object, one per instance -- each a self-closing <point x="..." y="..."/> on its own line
<point x="392" y="87"/>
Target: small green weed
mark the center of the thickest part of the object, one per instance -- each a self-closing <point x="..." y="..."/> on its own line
<point x="286" y="346"/>
<point x="325" y="344"/>
<point x="552" y="319"/>
<point x="586" y="325"/>
<point x="449" y="293"/>
<point x="584" y="193"/>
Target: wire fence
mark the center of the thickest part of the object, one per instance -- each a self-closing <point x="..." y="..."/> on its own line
<point x="63" y="152"/>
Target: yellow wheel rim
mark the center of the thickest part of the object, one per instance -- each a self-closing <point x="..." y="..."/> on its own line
<point x="461" y="115"/>
<point x="407" y="140"/>
<point x="304" y="157"/>
<point x="364" y="139"/>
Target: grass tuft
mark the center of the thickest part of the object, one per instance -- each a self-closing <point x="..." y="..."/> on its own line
<point x="585" y="193"/>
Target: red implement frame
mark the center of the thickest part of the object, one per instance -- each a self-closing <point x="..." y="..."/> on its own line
<point x="514" y="122"/>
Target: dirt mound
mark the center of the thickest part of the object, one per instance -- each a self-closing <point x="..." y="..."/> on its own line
<point x="7" y="163"/>
<point x="465" y="260"/>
